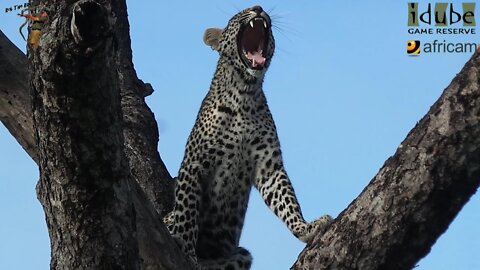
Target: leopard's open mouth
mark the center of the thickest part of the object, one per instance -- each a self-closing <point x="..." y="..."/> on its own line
<point x="253" y="43"/>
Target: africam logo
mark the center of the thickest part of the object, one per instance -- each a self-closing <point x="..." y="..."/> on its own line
<point x="427" y="21"/>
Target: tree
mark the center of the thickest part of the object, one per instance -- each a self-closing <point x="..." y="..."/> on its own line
<point x="105" y="190"/>
<point x="96" y="144"/>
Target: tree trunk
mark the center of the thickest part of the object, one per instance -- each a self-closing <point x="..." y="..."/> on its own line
<point x="104" y="187"/>
<point x="74" y="86"/>
<point x="77" y="119"/>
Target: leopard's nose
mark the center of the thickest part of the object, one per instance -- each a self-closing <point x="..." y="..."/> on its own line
<point x="257" y="9"/>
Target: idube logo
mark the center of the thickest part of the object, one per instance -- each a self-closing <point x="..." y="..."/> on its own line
<point x="439" y="16"/>
<point x="445" y="19"/>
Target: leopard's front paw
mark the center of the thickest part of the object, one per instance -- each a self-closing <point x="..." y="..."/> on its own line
<point x="315" y="227"/>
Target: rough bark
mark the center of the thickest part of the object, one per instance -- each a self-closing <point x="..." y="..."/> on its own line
<point x="88" y="191"/>
<point x="416" y="194"/>
<point x="139" y="126"/>
<point x="84" y="181"/>
<point x="73" y="75"/>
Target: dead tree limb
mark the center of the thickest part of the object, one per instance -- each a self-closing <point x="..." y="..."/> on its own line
<point x="15" y="105"/>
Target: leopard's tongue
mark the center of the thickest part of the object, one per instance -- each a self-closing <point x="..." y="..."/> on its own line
<point x="256" y="58"/>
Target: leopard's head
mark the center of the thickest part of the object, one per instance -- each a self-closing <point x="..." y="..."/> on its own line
<point x="247" y="41"/>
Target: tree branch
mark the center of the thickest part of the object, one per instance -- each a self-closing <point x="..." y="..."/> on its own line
<point x="416" y="194"/>
<point x="139" y="126"/>
<point x="15" y="105"/>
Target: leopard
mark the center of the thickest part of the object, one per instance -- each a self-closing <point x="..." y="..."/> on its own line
<point x="233" y="147"/>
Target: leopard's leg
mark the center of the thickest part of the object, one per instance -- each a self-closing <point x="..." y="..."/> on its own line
<point x="279" y="195"/>
<point x="277" y="191"/>
<point x="186" y="210"/>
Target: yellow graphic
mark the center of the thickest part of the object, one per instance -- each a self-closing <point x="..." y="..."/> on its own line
<point x="413" y="47"/>
<point x="35" y="28"/>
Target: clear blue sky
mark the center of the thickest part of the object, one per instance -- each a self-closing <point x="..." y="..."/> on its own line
<point x="342" y="91"/>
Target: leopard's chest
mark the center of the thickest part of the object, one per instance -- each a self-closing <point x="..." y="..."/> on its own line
<point x="234" y="124"/>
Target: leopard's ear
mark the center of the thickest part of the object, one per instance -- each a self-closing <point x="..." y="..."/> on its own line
<point x="212" y="37"/>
